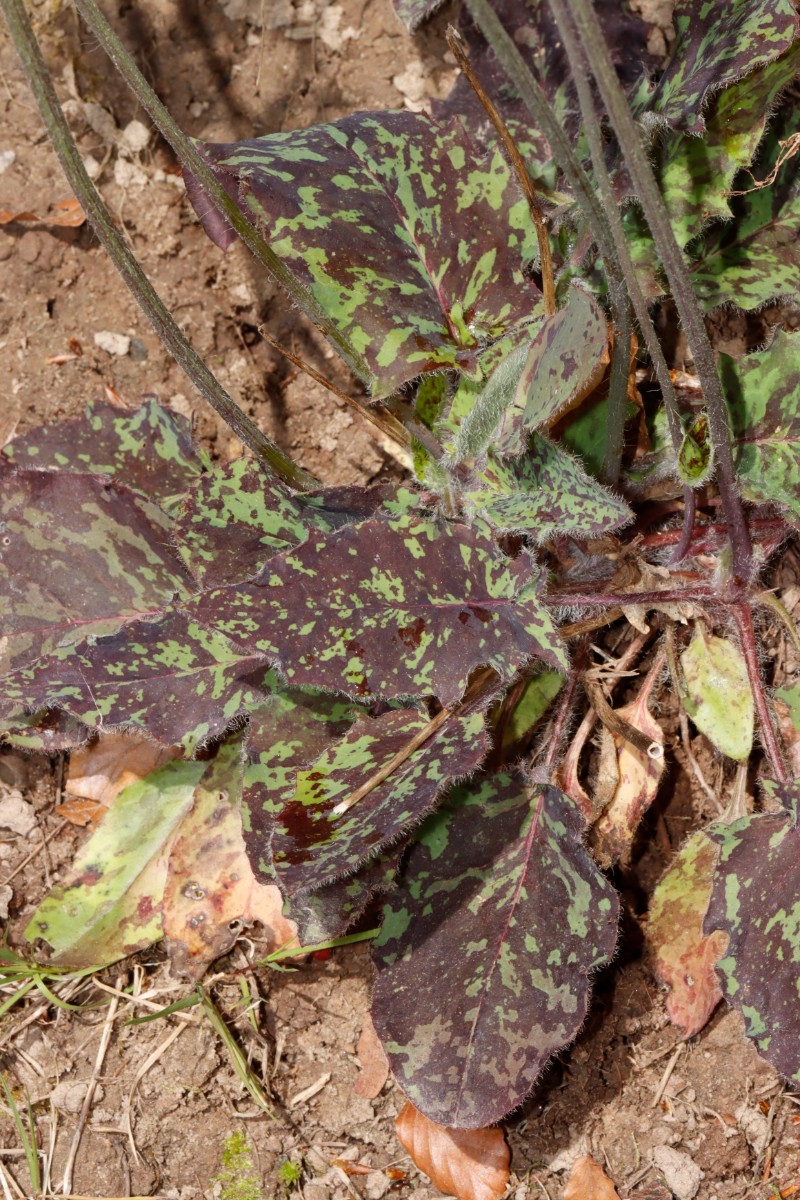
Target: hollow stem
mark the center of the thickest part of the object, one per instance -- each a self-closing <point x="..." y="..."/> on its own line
<point x="518" y="164"/>
<point x="192" y="160"/>
<point x="675" y="268"/>
<point x="123" y="259"/>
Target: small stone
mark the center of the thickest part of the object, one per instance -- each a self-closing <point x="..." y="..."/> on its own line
<point x="683" y="1176"/>
<point x="117" y="344"/>
<point x="7" y="159"/>
<point x="376" y="1185"/>
<point x="70" y="1095"/>
<point x="134" y="137"/>
<point x="6" y="896"/>
<point x="29" y="246"/>
<point x="16" y="814"/>
<point x="92" y="166"/>
<point x="6" y="248"/>
<point x="139" y="351"/>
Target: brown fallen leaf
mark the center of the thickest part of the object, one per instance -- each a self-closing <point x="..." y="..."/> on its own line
<point x="588" y="1181"/>
<point x="82" y="813"/>
<point x="471" y="1164"/>
<point x="374" y="1063"/>
<point x="211" y="890"/>
<point x="64" y="213"/>
<point x="100" y="770"/>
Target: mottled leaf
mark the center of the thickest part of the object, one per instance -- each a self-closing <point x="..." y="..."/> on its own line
<point x="313" y="844"/>
<point x="411" y="242"/>
<point x="763" y="395"/>
<point x="588" y="1181"/>
<point x="210" y="891"/>
<point x="485" y="950"/>
<point x="716" y="692"/>
<point x="545" y="494"/>
<point x="47" y="730"/>
<point x="406" y="609"/>
<point x="683" y="957"/>
<point x="715" y="45"/>
<point x="330" y="911"/>
<point x="696" y="455"/>
<point x="149" y="449"/>
<point x="470" y="1164"/>
<point x="639" y="774"/>
<point x="755" y="257"/>
<point x="109" y="906"/>
<point x="755" y="901"/>
<point x="696" y="173"/>
<point x="182" y="683"/>
<point x="78" y="556"/>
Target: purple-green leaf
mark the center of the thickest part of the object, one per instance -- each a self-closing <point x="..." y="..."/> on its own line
<point x="412" y="242"/>
<point x="486" y="949"/>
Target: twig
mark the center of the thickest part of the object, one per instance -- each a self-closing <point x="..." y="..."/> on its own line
<point x="456" y="44"/>
<point x="402" y="755"/>
<point x="108" y="1025"/>
<point x="124" y="260"/>
<point x="694" y="764"/>
<point x="33" y="854"/>
<point x="665" y="1078"/>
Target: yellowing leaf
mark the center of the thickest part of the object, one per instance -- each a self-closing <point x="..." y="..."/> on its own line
<point x="716" y="693"/>
<point x="100" y="770"/>
<point x="589" y="1181"/>
<point x="471" y="1164"/>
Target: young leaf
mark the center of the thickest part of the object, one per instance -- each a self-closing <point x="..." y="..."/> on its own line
<point x="715" y="45"/>
<point x="716" y="693"/>
<point x="410" y="242"/>
<point x="696" y="455"/>
<point x="763" y="395"/>
<point x="546" y="493"/>
<point x="588" y="1181"/>
<point x="110" y="904"/>
<point x="470" y="1164"/>
<point x="148" y="449"/>
<point x="78" y="556"/>
<point x="563" y="362"/>
<point x="485" y="949"/>
<point x="755" y="902"/>
<point x="210" y="890"/>
<point x="313" y="844"/>
<point x="683" y="957"/>
<point x="408" y="609"/>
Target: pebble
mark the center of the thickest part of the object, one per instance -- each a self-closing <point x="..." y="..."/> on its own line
<point x="7" y="158"/>
<point x="29" y="246"/>
<point x="683" y="1176"/>
<point x="16" y="813"/>
<point x="118" y="344"/>
<point x="139" y="351"/>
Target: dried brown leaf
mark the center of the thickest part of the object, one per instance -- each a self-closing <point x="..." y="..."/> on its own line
<point x="471" y="1164"/>
<point x="588" y="1181"/>
<point x="374" y="1063"/>
<point x="63" y="213"/>
<point x="100" y="770"/>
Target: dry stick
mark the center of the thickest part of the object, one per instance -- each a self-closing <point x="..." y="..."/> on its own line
<point x="108" y="1026"/>
<point x="124" y="260"/>
<point x="743" y="616"/>
<point x="456" y="44"/>
<point x="675" y="268"/>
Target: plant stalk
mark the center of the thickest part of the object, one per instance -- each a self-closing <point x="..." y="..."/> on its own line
<point x="635" y="156"/>
<point x="743" y="617"/>
<point x="192" y="160"/>
<point x="123" y="259"/>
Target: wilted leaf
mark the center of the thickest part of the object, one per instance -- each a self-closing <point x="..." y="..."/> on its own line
<point x="716" y="692"/>
<point x="411" y="242"/>
<point x="312" y="843"/>
<point x="148" y="449"/>
<point x="763" y="395"/>
<point x="407" y="609"/>
<point x="471" y="1164"/>
<point x="211" y="892"/>
<point x="63" y="213"/>
<point x="683" y="957"/>
<point x="715" y="45"/>
<point x="100" y="770"/>
<point x="110" y="904"/>
<point x="588" y="1181"/>
<point x="374" y="1063"/>
<point x="755" y="901"/>
<point x="639" y="776"/>
<point x="486" y="948"/>
<point x="545" y="494"/>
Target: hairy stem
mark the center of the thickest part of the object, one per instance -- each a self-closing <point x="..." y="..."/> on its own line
<point x="192" y="160"/>
<point x="635" y="157"/>
<point x="517" y="162"/>
<point x="123" y="259"/>
<point x="743" y="616"/>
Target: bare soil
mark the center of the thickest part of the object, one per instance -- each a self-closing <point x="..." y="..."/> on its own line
<point x="167" y="1094"/>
